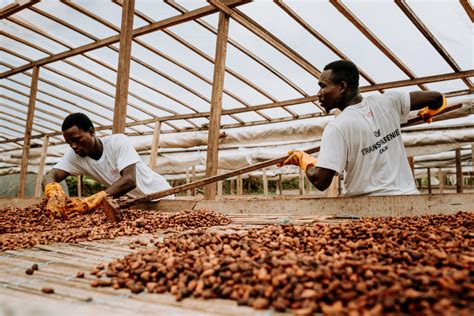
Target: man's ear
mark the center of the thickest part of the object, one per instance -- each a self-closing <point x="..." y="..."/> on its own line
<point x="343" y="87"/>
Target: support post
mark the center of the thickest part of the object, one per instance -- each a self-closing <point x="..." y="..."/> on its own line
<point x="219" y="187"/>
<point x="232" y="187"/>
<point x="28" y="128"/>
<point x="459" y="180"/>
<point x="265" y="181"/>
<point x="429" y="180"/>
<point x="441" y="180"/>
<point x="280" y="185"/>
<point x="123" y="72"/>
<point x="193" y="178"/>
<point x="155" y="145"/>
<point x="188" y="180"/>
<point x="42" y="164"/>
<point x="301" y="181"/>
<point x="79" y="186"/>
<point x="239" y="185"/>
<point x="308" y="184"/>
<point x="216" y="105"/>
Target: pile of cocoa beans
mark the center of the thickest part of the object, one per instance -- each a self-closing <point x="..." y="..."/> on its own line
<point x="30" y="226"/>
<point x="407" y="265"/>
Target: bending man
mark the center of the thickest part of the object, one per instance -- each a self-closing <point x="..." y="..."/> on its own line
<point x="112" y="161"/>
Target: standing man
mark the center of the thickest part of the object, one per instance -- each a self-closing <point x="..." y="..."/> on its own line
<point x="112" y="161"/>
<point x="364" y="140"/>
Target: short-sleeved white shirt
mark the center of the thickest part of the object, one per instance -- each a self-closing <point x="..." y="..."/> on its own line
<point x="365" y="142"/>
<point x="118" y="154"/>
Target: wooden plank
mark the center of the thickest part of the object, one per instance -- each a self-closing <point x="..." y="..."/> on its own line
<point x="459" y="180"/>
<point x="239" y="185"/>
<point x="79" y="186"/>
<point x="280" y="185"/>
<point x="428" y="171"/>
<point x="28" y="128"/>
<point x="430" y="37"/>
<point x="441" y="180"/>
<point x="301" y="181"/>
<point x="123" y="74"/>
<point x="219" y="185"/>
<point x="155" y="145"/>
<point x="16" y="6"/>
<point x="39" y="177"/>
<point x="212" y="160"/>
<point x="468" y="8"/>
<point x="371" y="37"/>
<point x="194" y="14"/>
<point x="267" y="37"/>
<point x="265" y="181"/>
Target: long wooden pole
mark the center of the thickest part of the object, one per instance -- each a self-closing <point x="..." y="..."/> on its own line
<point x="28" y="128"/>
<point x="39" y="177"/>
<point x="459" y="180"/>
<point x="155" y="145"/>
<point x="216" y="105"/>
<point x="123" y="73"/>
<point x="429" y="180"/>
<point x="265" y="181"/>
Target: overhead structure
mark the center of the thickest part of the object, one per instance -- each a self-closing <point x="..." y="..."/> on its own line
<point x="143" y="68"/>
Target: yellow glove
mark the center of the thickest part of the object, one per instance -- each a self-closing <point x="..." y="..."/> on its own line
<point x="427" y="114"/>
<point x="78" y="206"/>
<point x="299" y="158"/>
<point x="57" y="200"/>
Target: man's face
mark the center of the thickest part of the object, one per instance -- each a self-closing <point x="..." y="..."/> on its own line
<point x="80" y="141"/>
<point x="330" y="94"/>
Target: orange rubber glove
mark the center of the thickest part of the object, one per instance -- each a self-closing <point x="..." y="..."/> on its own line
<point x="82" y="206"/>
<point x="299" y="158"/>
<point x="57" y="200"/>
<point x="427" y="114"/>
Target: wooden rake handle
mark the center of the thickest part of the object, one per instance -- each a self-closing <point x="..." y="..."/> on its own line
<point x="257" y="166"/>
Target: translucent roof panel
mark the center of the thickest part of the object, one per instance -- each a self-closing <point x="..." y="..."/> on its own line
<point x="455" y="32"/>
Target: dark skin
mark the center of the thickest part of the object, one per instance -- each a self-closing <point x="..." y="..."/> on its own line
<point x="338" y="95"/>
<point x="87" y="144"/>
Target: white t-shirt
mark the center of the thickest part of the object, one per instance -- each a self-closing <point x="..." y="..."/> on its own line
<point x="118" y="154"/>
<point x="365" y="142"/>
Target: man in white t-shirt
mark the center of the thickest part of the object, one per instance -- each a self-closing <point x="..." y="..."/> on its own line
<point x="111" y="160"/>
<point x="364" y="140"/>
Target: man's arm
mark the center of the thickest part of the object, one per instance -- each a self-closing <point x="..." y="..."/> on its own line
<point x="420" y="99"/>
<point x="54" y="175"/>
<point x="321" y="178"/>
<point x="125" y="184"/>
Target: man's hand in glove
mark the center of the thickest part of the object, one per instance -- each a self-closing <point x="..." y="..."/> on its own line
<point x="57" y="200"/>
<point x="82" y="206"/>
<point x="299" y="158"/>
<point x="427" y="114"/>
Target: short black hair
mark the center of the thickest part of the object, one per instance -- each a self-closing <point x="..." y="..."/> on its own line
<point x="344" y="70"/>
<point x="80" y="120"/>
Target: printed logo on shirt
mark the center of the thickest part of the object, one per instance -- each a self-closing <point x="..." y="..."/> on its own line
<point x="378" y="145"/>
<point x="377" y="133"/>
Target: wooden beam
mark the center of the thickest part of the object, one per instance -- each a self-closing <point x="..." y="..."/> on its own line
<point x="371" y="37"/>
<point x="428" y="171"/>
<point x="459" y="180"/>
<point x="441" y="180"/>
<point x="267" y="37"/>
<point x="468" y="8"/>
<point x="280" y="185"/>
<point x="240" y="187"/>
<point x="79" y="186"/>
<point x="216" y="105"/>
<point x="265" y="181"/>
<point x="301" y="182"/>
<point x="172" y="21"/>
<point x="18" y="5"/>
<point x="193" y="178"/>
<point x="431" y="38"/>
<point x="42" y="163"/>
<point x="28" y="128"/>
<point x="123" y="74"/>
<point x="155" y="144"/>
